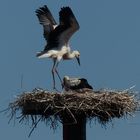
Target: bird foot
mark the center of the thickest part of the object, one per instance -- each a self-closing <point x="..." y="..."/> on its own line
<point x="55" y="89"/>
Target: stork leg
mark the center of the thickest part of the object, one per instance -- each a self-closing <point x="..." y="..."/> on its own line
<point x="58" y="74"/>
<point x="53" y="72"/>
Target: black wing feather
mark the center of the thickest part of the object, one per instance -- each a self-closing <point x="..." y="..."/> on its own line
<point x="46" y="19"/>
<point x="68" y="22"/>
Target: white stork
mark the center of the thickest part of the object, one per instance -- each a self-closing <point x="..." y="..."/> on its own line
<point x="58" y="36"/>
<point x="76" y="84"/>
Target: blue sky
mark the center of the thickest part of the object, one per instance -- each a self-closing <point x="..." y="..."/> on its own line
<point x="109" y="42"/>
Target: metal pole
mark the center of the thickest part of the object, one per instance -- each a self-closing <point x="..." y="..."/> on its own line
<point x="75" y="131"/>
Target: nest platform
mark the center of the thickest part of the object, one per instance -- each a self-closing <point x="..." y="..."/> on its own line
<point x="102" y="105"/>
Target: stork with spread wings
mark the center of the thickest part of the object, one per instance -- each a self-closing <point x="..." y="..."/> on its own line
<point x="58" y="36"/>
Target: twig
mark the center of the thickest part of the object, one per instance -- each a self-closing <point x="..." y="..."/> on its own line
<point x="34" y="127"/>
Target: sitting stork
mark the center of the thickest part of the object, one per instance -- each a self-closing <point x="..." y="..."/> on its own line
<point x="76" y="84"/>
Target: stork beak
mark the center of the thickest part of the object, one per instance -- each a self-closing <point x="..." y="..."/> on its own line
<point x="78" y="60"/>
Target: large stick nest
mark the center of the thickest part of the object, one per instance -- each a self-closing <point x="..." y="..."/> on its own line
<point x="104" y="105"/>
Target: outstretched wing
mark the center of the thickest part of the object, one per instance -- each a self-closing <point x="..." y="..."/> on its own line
<point x="68" y="22"/>
<point x="46" y="19"/>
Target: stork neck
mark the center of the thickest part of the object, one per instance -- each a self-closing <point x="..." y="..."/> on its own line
<point x="71" y="55"/>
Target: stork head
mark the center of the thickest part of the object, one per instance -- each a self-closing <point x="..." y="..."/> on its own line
<point x="66" y="78"/>
<point x="77" y="56"/>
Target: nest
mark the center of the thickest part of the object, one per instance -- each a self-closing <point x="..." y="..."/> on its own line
<point x="52" y="107"/>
